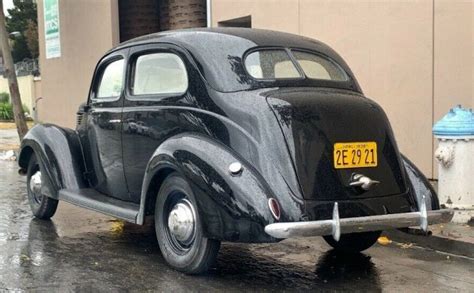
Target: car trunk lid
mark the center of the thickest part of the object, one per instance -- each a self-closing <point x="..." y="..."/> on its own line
<point x="313" y="120"/>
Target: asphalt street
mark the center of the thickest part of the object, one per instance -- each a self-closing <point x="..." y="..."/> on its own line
<point x="81" y="250"/>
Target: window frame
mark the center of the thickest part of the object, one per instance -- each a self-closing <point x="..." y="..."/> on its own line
<point x="291" y="59"/>
<point x="93" y="98"/>
<point x="131" y="66"/>
<point x="297" y="65"/>
<point x="348" y="78"/>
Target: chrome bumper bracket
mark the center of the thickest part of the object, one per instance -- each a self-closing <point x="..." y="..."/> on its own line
<point x="423" y="215"/>
<point x="336" y="223"/>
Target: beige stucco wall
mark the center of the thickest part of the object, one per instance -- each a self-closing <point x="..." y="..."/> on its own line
<point x="26" y="86"/>
<point x="88" y="29"/>
<point x="415" y="58"/>
<point x="453" y="57"/>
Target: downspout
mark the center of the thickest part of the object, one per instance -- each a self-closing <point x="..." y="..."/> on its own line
<point x="208" y="13"/>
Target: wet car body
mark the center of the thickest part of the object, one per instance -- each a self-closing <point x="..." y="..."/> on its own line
<point x="281" y="132"/>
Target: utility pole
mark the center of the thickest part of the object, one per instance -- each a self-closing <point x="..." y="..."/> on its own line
<point x="18" y="114"/>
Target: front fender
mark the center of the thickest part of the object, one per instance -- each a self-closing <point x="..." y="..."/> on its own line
<point x="232" y="208"/>
<point x="420" y="186"/>
<point x="59" y="154"/>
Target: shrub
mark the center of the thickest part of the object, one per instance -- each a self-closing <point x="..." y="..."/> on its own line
<point x="6" y="111"/>
<point x="4" y="97"/>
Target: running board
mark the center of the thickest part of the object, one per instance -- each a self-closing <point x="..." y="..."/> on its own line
<point x="93" y="200"/>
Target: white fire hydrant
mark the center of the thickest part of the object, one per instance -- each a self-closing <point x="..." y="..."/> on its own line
<point x="455" y="155"/>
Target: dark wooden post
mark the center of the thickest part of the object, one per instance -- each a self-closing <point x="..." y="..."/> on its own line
<point x="10" y="73"/>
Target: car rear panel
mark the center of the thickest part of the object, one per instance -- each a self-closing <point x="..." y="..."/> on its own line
<point x="314" y="119"/>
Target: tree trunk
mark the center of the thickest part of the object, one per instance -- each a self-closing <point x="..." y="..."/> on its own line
<point x="18" y="114"/>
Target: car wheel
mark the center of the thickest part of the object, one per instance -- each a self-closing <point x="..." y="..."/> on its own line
<point x="43" y="207"/>
<point x="179" y="230"/>
<point x="354" y="242"/>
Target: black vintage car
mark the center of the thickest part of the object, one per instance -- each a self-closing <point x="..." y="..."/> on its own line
<point x="229" y="135"/>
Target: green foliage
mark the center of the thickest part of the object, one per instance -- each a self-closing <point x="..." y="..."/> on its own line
<point x="6" y="111"/>
<point x="23" y="19"/>
<point x="20" y="49"/>
<point x="31" y="36"/>
<point x="4" y="97"/>
<point x="22" y="11"/>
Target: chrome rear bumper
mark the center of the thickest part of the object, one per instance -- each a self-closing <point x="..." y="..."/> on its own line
<point x="336" y="226"/>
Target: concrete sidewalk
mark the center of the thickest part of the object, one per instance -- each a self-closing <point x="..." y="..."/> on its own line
<point x="9" y="140"/>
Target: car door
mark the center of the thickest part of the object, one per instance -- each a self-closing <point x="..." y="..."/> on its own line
<point x="103" y="148"/>
<point x="157" y="84"/>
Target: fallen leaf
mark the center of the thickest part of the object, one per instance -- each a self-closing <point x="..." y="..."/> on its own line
<point x="383" y="240"/>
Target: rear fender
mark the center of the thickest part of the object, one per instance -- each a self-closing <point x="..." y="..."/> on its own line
<point x="420" y="186"/>
<point x="59" y="153"/>
<point x="232" y="208"/>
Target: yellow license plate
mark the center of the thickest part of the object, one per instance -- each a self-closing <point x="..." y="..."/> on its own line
<point x="355" y="155"/>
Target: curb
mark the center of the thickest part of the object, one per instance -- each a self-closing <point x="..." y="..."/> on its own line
<point x="434" y="242"/>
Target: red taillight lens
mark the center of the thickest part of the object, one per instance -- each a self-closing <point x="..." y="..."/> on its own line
<point x="274" y="208"/>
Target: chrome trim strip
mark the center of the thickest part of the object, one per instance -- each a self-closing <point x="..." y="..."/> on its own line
<point x="358" y="224"/>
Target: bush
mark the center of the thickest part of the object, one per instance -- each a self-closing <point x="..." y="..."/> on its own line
<point x="4" y="98"/>
<point x="6" y="111"/>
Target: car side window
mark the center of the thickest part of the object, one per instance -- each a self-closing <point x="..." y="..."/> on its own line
<point x="159" y="73"/>
<point x="111" y="81"/>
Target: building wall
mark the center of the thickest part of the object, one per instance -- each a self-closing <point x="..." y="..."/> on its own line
<point x="415" y="58"/>
<point x="27" y="88"/>
<point x="88" y="28"/>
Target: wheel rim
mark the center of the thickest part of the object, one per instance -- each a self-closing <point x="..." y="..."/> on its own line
<point x="180" y="223"/>
<point x="35" y="186"/>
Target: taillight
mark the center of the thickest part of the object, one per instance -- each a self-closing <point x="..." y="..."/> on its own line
<point x="274" y="208"/>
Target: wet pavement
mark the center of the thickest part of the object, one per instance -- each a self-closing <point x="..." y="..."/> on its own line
<point x="80" y="250"/>
<point x="9" y="139"/>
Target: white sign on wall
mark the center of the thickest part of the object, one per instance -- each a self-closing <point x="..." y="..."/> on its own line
<point x="51" y="29"/>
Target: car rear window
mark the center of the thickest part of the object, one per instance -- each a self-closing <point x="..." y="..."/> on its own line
<point x="277" y="64"/>
<point x="318" y="67"/>
<point x="271" y="64"/>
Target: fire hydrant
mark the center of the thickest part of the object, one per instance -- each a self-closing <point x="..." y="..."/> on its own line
<point x="455" y="155"/>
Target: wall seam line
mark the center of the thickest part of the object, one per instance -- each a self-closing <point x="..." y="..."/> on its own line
<point x="433" y="88"/>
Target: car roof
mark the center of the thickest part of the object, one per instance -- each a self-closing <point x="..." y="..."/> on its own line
<point x="260" y="37"/>
<point x="219" y="51"/>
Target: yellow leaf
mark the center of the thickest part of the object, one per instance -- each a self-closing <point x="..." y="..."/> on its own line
<point x="383" y="240"/>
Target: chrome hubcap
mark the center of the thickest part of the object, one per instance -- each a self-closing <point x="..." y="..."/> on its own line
<point x="182" y="222"/>
<point x="35" y="186"/>
<point x="35" y="183"/>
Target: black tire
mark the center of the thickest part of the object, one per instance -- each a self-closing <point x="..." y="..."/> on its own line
<point x="43" y="207"/>
<point x="354" y="242"/>
<point x="195" y="254"/>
